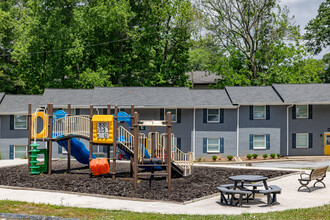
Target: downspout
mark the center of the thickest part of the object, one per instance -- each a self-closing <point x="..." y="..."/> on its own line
<point x="194" y="134"/>
<point x="237" y="132"/>
<point x="287" y="129"/>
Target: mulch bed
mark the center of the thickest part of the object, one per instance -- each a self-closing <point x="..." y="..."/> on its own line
<point x="203" y="181"/>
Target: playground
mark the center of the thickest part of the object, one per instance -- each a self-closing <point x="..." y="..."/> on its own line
<point x="202" y="183"/>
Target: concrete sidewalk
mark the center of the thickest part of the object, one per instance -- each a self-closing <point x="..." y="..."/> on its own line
<point x="289" y="199"/>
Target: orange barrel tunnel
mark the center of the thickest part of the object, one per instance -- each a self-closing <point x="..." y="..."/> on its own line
<point x="99" y="166"/>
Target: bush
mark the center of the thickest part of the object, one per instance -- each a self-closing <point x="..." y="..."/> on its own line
<point x="265" y="156"/>
<point x="0" y="156"/>
<point x="249" y="156"/>
<point x="214" y="158"/>
<point x="230" y="157"/>
<point x="255" y="156"/>
<point x="272" y="155"/>
<point x="199" y="159"/>
<point x="278" y="156"/>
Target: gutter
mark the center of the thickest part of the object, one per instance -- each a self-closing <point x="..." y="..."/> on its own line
<point x="237" y="132"/>
<point x="287" y="129"/>
<point x="194" y="135"/>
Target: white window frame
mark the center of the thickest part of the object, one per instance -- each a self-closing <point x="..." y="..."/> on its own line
<point x="25" y="122"/>
<point x="307" y="113"/>
<point x="20" y="146"/>
<point x="265" y="144"/>
<point x="307" y="142"/>
<point x="207" y="145"/>
<point x="213" y="114"/>
<point x="254" y="118"/>
<point x="176" y="114"/>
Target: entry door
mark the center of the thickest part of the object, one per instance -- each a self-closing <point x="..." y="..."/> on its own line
<point x="326" y="143"/>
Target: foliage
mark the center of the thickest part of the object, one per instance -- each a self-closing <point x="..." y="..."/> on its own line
<point x="214" y="158"/>
<point x="0" y="155"/>
<point x="272" y="155"/>
<point x="230" y="157"/>
<point x="255" y="156"/>
<point x="199" y="159"/>
<point x="318" y="29"/>
<point x="326" y="75"/>
<point x="265" y="156"/>
<point x="249" y="156"/>
<point x="278" y="156"/>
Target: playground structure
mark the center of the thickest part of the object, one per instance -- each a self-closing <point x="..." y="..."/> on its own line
<point x="152" y="152"/>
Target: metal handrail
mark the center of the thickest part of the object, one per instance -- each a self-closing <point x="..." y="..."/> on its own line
<point x="72" y="125"/>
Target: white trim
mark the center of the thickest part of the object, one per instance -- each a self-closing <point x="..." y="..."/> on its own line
<point x="194" y="135"/>
<point x="287" y="129"/>
<point x="21" y="145"/>
<point x="264" y="112"/>
<point x="307" y="142"/>
<point x="265" y="145"/>
<point x="207" y="115"/>
<point x="207" y="145"/>
<point x="176" y="114"/>
<point x="307" y="112"/>
<point x="26" y="121"/>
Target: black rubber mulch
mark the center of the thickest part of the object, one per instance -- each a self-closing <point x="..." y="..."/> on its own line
<point x="203" y="181"/>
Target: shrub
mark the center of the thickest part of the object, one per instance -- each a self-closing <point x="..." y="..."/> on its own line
<point x="249" y="156"/>
<point x="265" y="156"/>
<point x="199" y="159"/>
<point x="230" y="157"/>
<point x="272" y="155"/>
<point x="278" y="156"/>
<point x="255" y="156"/>
<point x="204" y="159"/>
<point x="214" y="158"/>
<point x="0" y="156"/>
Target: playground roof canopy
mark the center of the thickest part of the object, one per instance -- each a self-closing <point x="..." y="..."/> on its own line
<point x="18" y="104"/>
<point x="304" y="93"/>
<point x="253" y="95"/>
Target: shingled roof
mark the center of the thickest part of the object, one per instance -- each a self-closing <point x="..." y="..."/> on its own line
<point x="18" y="104"/>
<point x="304" y="93"/>
<point x="62" y="97"/>
<point x="253" y="95"/>
<point x="210" y="98"/>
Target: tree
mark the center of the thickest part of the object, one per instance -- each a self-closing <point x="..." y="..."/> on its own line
<point x="318" y="29"/>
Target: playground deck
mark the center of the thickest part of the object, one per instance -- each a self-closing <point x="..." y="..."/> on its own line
<point x="202" y="183"/>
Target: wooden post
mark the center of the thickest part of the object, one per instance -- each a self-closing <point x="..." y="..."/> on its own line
<point x="29" y="135"/>
<point x="136" y="148"/>
<point x="90" y="136"/>
<point x="114" y="143"/>
<point x="69" y="141"/>
<point x="132" y="132"/>
<point x="50" y="136"/>
<point x="152" y="151"/>
<point x="108" y="146"/>
<point x="169" y="150"/>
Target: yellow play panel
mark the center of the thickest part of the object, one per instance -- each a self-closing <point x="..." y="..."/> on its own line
<point x="326" y="143"/>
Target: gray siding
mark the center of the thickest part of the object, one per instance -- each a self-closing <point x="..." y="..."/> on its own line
<point x="230" y="121"/>
<point x="7" y="133"/>
<point x="319" y="124"/>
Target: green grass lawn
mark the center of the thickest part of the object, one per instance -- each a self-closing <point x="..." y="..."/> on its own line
<point x="322" y="212"/>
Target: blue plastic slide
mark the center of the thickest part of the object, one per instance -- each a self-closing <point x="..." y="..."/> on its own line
<point x="78" y="150"/>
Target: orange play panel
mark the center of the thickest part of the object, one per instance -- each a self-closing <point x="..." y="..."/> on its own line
<point x="99" y="166"/>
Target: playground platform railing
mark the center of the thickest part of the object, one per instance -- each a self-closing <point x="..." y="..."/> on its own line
<point x="72" y="125"/>
<point x="125" y="138"/>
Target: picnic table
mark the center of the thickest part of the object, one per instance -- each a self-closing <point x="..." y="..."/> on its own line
<point x="241" y="182"/>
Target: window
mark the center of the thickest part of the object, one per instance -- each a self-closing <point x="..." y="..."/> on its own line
<point x="72" y="112"/>
<point x="213" y="145"/>
<point x="20" y="151"/>
<point x="20" y="122"/>
<point x="142" y="128"/>
<point x="259" y="141"/>
<point x="213" y="115"/>
<point x="301" y="111"/>
<point x="302" y="140"/>
<point x="173" y="114"/>
<point x="98" y="151"/>
<point x="259" y="112"/>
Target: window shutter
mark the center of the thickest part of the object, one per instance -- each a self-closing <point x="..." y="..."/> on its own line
<point x="105" y="148"/>
<point x="178" y="116"/>
<point x="251" y="142"/>
<point x="310" y="140"/>
<point x="204" y="115"/>
<point x="310" y="112"/>
<point x="60" y="151"/>
<point x="294" y="140"/>
<point x="178" y="142"/>
<point x="251" y="112"/>
<point x="294" y="112"/>
<point x="267" y="112"/>
<point x="204" y="145"/>
<point x="222" y="145"/>
<point x="161" y="114"/>
<point x="267" y="141"/>
<point x="12" y="127"/>
<point x="11" y="152"/>
<point x="222" y="113"/>
<point x="77" y="111"/>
